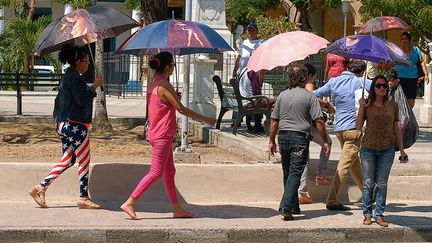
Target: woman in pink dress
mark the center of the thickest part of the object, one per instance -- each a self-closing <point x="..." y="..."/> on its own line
<point x="162" y="103"/>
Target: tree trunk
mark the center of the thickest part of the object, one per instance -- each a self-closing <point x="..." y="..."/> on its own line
<point x="31" y="10"/>
<point x="154" y="10"/>
<point x="304" y="16"/>
<point x="100" y="121"/>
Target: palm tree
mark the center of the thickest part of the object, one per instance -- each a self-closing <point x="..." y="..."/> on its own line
<point x="17" y="42"/>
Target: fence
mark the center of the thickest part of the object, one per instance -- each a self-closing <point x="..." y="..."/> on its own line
<point x="17" y="81"/>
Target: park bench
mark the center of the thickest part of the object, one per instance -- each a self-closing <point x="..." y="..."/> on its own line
<point x="15" y="81"/>
<point x="230" y="97"/>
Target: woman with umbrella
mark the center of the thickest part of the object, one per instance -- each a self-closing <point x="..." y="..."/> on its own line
<point x="409" y="75"/>
<point x="72" y="123"/>
<point x="162" y="103"/>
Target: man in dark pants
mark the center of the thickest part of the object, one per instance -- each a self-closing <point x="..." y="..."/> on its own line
<point x="295" y="110"/>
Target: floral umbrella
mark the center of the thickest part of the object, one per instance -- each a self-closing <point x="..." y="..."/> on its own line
<point x="369" y="48"/>
<point x="383" y="23"/>
<point x="81" y="27"/>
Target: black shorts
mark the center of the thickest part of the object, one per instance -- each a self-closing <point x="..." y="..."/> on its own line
<point x="409" y="86"/>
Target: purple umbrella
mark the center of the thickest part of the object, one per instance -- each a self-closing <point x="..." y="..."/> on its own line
<point x="369" y="48"/>
<point x="176" y="36"/>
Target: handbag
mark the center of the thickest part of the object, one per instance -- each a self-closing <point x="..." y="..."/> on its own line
<point x="56" y="105"/>
<point x="420" y="72"/>
<point x="407" y="121"/>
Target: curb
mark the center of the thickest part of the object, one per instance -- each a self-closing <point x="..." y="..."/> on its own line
<point x="362" y="234"/>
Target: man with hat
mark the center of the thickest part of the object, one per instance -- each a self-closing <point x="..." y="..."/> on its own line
<point x="249" y="82"/>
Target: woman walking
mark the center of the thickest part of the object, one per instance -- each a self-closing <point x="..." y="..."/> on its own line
<point x="72" y="123"/>
<point x="377" y="147"/>
<point x="162" y="103"/>
<point x="408" y="75"/>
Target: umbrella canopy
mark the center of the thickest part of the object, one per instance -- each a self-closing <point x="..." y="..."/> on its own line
<point x="176" y="36"/>
<point x="383" y="23"/>
<point x="285" y="48"/>
<point x="83" y="26"/>
<point x="369" y="48"/>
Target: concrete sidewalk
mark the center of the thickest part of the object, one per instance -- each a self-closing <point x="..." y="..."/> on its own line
<point x="232" y="203"/>
<point x="259" y="222"/>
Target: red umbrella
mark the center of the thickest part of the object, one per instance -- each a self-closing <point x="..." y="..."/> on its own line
<point x="383" y="23"/>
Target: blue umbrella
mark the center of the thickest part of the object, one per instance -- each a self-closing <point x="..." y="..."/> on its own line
<point x="176" y="36"/>
<point x="369" y="48"/>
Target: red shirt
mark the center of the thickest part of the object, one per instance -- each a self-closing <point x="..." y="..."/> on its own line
<point x="335" y="65"/>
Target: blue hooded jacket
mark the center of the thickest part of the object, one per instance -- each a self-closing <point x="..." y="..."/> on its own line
<point x="76" y="98"/>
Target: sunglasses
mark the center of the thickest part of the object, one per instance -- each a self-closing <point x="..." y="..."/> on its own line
<point x="378" y="86"/>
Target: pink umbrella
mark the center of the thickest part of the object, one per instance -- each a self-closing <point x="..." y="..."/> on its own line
<point x="285" y="48"/>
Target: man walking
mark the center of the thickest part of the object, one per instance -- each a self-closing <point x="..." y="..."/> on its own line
<point x="342" y="89"/>
<point x="295" y="110"/>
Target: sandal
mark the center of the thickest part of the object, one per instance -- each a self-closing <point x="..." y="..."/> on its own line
<point x="87" y="203"/>
<point x="38" y="194"/>
<point x="367" y="220"/>
<point x="322" y="181"/>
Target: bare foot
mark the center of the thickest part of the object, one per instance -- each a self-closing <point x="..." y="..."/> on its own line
<point x="130" y="211"/>
<point x="181" y="213"/>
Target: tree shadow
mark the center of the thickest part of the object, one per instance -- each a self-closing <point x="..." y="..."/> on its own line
<point x="112" y="184"/>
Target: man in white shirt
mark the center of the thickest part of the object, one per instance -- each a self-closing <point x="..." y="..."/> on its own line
<point x="248" y="83"/>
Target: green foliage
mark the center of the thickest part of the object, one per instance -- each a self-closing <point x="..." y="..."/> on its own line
<point x="18" y="40"/>
<point x="269" y="27"/>
<point x="132" y="4"/>
<point x="11" y="3"/>
<point x="244" y="11"/>
<point x="76" y="4"/>
<point x="417" y="13"/>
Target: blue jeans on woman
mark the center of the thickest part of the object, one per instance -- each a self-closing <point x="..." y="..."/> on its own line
<point x="294" y="150"/>
<point x="376" y="169"/>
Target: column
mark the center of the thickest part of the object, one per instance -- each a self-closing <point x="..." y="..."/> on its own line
<point x="134" y="69"/>
<point x="203" y="87"/>
<point x="426" y="109"/>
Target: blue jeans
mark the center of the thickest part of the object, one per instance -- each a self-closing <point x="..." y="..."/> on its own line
<point x="294" y="150"/>
<point x="376" y="169"/>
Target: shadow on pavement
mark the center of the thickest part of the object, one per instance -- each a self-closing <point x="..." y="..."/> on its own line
<point x="112" y="184"/>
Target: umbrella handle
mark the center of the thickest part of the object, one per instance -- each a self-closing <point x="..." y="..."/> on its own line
<point x="94" y="64"/>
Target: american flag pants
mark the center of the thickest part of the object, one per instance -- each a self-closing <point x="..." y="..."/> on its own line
<point x="75" y="146"/>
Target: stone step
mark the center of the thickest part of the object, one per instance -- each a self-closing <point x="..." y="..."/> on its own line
<point x="195" y="183"/>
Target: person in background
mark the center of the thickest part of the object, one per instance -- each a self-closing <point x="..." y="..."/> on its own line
<point x="163" y="103"/>
<point x="342" y="89"/>
<point x="73" y="120"/>
<point x="250" y="82"/>
<point x="408" y="75"/>
<point x="295" y="110"/>
<point x="335" y="65"/>
<point x="377" y="147"/>
<point x="320" y="179"/>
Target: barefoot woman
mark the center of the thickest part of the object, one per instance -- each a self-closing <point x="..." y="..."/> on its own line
<point x="162" y="103"/>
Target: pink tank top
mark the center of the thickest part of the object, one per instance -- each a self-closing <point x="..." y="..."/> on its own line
<point x="162" y="116"/>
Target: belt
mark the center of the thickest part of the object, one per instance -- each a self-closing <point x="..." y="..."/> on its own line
<point x="292" y="132"/>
